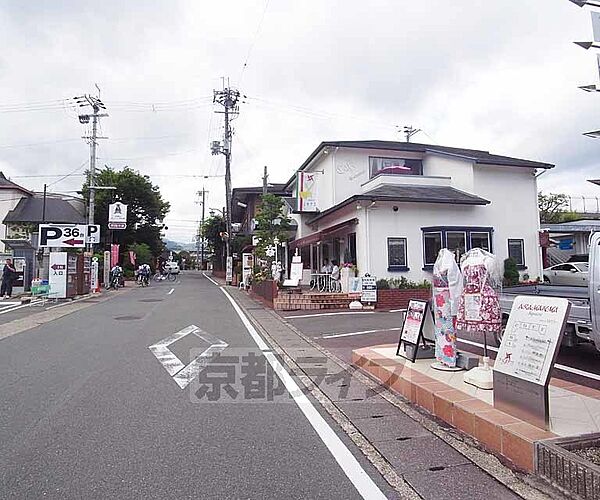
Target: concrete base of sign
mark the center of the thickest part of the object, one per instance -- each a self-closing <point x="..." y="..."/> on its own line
<point x="423" y="352"/>
<point x="355" y="305"/>
<point x="481" y="376"/>
<point x="466" y="360"/>
<point x="438" y="365"/>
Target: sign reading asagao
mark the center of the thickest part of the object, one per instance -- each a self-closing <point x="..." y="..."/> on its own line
<point x="117" y="215"/>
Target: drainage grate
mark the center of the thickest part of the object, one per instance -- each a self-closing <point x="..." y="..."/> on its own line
<point x="574" y="475"/>
<point x="127" y="318"/>
<point x="402" y="438"/>
<point x="151" y="300"/>
<point x="436" y="468"/>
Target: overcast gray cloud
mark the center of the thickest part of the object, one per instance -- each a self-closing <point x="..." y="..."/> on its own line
<point x="500" y="76"/>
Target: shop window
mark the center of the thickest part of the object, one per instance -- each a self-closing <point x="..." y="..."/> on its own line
<point x="397" y="260"/>
<point x="432" y="244"/>
<point x="456" y="239"/>
<point x="516" y="251"/>
<point x="456" y="242"/>
<point x="395" y="166"/>
<point x="481" y="240"/>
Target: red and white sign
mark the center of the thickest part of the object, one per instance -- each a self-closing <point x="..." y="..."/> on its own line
<point x="114" y="254"/>
<point x="62" y="236"/>
<point x="306" y="191"/>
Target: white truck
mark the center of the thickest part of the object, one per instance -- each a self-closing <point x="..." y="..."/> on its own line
<point x="584" y="319"/>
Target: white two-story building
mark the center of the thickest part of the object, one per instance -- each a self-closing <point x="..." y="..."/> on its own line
<point x="388" y="207"/>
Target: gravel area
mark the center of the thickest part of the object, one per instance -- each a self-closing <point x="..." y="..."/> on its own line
<point x="592" y="454"/>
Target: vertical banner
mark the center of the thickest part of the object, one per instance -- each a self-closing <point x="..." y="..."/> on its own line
<point x="114" y="254"/>
<point x="106" y="268"/>
<point x="57" y="274"/>
<point x="132" y="257"/>
<point x="94" y="285"/>
<point x="229" y="270"/>
<point x="306" y="191"/>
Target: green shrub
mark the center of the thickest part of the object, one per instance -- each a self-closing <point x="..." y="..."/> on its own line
<point x="511" y="273"/>
<point x="382" y="284"/>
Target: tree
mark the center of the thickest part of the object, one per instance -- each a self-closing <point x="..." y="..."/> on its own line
<point x="272" y="226"/>
<point x="552" y="207"/>
<point x="146" y="208"/>
<point x="211" y="232"/>
<point x="142" y="252"/>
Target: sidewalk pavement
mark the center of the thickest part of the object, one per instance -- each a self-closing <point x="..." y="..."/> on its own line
<point x="416" y="455"/>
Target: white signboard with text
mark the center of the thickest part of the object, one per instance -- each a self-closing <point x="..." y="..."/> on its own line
<point x="531" y="338"/>
<point x="57" y="275"/>
<point x="117" y="212"/>
<point x="369" y="289"/>
<point x="63" y="236"/>
<point x="296" y="269"/>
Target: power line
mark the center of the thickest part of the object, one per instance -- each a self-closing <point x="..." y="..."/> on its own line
<point x="254" y="39"/>
<point x="70" y="173"/>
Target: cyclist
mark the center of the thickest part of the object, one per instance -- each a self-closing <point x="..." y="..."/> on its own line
<point x="116" y="276"/>
<point x="143" y="273"/>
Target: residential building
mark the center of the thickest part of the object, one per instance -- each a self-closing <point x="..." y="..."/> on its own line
<point x="245" y="201"/>
<point x="10" y="195"/>
<point x="388" y="207"/>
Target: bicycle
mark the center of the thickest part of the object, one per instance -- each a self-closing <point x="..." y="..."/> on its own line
<point x="166" y="276"/>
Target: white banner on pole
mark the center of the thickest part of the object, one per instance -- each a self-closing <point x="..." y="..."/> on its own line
<point x="306" y="191"/>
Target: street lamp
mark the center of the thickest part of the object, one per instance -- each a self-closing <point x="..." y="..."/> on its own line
<point x="595" y="134"/>
<point x="583" y="3"/>
<point x="587" y="45"/>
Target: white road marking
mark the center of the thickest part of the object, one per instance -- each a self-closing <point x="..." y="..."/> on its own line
<point x="364" y="332"/>
<point x="210" y="279"/>
<point x="183" y="375"/>
<point x="327" y="314"/>
<point x="11" y="309"/>
<point x="171" y="291"/>
<point x="558" y="366"/>
<point x="365" y="486"/>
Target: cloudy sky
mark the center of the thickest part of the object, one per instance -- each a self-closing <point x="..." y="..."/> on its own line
<point x="496" y="75"/>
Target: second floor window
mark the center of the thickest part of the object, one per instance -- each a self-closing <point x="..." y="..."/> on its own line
<point x="394" y="166"/>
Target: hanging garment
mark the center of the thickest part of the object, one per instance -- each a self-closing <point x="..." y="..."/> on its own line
<point x="447" y="287"/>
<point x="479" y="305"/>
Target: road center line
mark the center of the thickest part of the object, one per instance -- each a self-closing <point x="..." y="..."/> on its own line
<point x="364" y="332"/>
<point x="170" y="291"/>
<point x="365" y="486"/>
<point x="558" y="366"/>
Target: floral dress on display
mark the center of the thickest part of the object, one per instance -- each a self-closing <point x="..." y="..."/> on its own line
<point x="479" y="306"/>
<point x="447" y="286"/>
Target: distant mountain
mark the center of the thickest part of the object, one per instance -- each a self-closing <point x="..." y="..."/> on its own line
<point x="176" y="246"/>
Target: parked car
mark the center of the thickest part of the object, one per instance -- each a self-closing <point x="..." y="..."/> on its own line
<point x="579" y="257"/>
<point x="172" y="266"/>
<point x="569" y="273"/>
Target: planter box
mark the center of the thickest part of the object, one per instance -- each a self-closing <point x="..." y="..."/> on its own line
<point x="266" y="291"/>
<point x="398" y="299"/>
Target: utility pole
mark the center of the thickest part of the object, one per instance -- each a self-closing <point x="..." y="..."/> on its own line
<point x="96" y="105"/>
<point x="409" y="131"/>
<point x="200" y="237"/>
<point x="228" y="98"/>
<point x="265" y="181"/>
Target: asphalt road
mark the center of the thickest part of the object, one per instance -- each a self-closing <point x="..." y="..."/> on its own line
<point x="341" y="333"/>
<point x="88" y="411"/>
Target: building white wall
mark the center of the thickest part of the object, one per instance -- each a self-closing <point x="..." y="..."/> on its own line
<point x="8" y="201"/>
<point x="512" y="213"/>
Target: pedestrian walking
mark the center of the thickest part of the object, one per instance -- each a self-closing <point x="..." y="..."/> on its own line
<point x="9" y="273"/>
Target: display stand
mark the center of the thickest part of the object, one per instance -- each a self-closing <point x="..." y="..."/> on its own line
<point x="411" y="344"/>
<point x="481" y="376"/>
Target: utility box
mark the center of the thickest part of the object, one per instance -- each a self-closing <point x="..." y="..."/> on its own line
<point x="72" y="278"/>
<point x="83" y="273"/>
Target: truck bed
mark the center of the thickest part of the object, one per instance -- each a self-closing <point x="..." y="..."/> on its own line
<point x="578" y="296"/>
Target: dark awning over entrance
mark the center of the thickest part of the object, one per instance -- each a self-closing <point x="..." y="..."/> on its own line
<point x="323" y="234"/>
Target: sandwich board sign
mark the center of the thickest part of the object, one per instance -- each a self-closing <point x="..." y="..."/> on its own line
<point x="63" y="235"/>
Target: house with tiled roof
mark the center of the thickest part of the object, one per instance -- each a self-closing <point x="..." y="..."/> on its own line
<point x="389" y="207"/>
